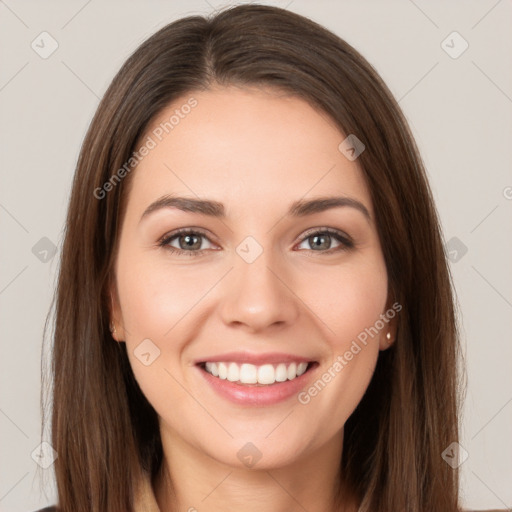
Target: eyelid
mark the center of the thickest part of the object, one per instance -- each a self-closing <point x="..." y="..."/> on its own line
<point x="186" y="231"/>
<point x="165" y="240"/>
<point x="344" y="239"/>
<point x="330" y="231"/>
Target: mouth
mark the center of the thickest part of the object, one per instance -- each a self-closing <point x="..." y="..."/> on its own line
<point x="257" y="384"/>
<point x="247" y="374"/>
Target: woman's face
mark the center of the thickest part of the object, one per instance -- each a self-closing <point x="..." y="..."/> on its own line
<point x="254" y="281"/>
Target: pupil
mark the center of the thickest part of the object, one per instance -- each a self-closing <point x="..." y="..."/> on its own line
<point x="193" y="242"/>
<point x="324" y="241"/>
<point x="190" y="243"/>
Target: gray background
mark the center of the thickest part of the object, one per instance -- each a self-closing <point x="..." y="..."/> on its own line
<point x="460" y="112"/>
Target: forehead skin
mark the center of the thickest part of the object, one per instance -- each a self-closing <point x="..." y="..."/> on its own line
<point x="261" y="141"/>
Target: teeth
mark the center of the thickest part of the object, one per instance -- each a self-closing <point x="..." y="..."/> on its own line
<point x="250" y="374"/>
<point x="233" y="372"/>
<point x="281" y="373"/>
<point x="223" y="370"/>
<point x="213" y="369"/>
<point x="292" y="371"/>
<point x="301" y="368"/>
<point x="266" y="374"/>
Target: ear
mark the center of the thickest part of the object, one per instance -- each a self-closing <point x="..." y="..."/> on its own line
<point x="390" y="319"/>
<point x="116" y="323"/>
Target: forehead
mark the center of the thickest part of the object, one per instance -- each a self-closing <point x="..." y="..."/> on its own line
<point x="250" y="146"/>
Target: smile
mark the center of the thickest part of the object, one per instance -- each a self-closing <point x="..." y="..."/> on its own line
<point x="266" y="374"/>
<point x="248" y="384"/>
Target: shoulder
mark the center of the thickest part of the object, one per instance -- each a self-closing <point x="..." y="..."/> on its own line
<point x="52" y="508"/>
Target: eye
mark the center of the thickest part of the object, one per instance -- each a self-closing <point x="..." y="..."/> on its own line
<point x="186" y="241"/>
<point x="321" y="240"/>
<point x="190" y="241"/>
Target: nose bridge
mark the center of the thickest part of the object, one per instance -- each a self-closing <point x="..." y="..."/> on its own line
<point x="256" y="294"/>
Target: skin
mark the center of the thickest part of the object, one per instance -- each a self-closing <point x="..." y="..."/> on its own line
<point x="256" y="151"/>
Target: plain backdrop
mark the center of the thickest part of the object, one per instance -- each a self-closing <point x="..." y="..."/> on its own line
<point x="458" y="101"/>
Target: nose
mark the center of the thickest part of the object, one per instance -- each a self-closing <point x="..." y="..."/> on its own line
<point x="257" y="296"/>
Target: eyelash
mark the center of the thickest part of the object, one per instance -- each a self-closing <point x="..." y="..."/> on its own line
<point x="346" y="243"/>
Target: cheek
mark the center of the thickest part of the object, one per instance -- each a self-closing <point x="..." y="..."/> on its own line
<point x="158" y="304"/>
<point x="348" y="299"/>
<point x="154" y="302"/>
<point x="154" y="298"/>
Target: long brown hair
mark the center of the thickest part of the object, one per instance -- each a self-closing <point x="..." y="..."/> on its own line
<point x="103" y="428"/>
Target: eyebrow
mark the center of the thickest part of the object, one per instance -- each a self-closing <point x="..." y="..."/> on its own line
<point x="299" y="208"/>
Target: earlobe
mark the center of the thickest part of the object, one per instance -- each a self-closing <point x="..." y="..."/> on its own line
<point x="115" y="326"/>
<point x="388" y="334"/>
<point x="113" y="330"/>
<point x="387" y="339"/>
<point x="116" y="333"/>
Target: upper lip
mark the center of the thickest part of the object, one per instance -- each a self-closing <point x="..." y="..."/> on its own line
<point x="256" y="359"/>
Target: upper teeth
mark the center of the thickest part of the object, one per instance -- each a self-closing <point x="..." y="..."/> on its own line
<point x="251" y="374"/>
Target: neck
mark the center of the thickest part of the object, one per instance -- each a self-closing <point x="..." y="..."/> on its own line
<point x="192" y="481"/>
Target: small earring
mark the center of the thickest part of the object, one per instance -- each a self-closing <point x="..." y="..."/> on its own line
<point x="388" y="337"/>
<point x="112" y="327"/>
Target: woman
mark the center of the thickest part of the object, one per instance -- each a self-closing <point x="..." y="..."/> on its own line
<point x="305" y="357"/>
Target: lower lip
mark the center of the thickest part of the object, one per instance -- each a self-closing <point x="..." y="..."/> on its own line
<point x="246" y="394"/>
